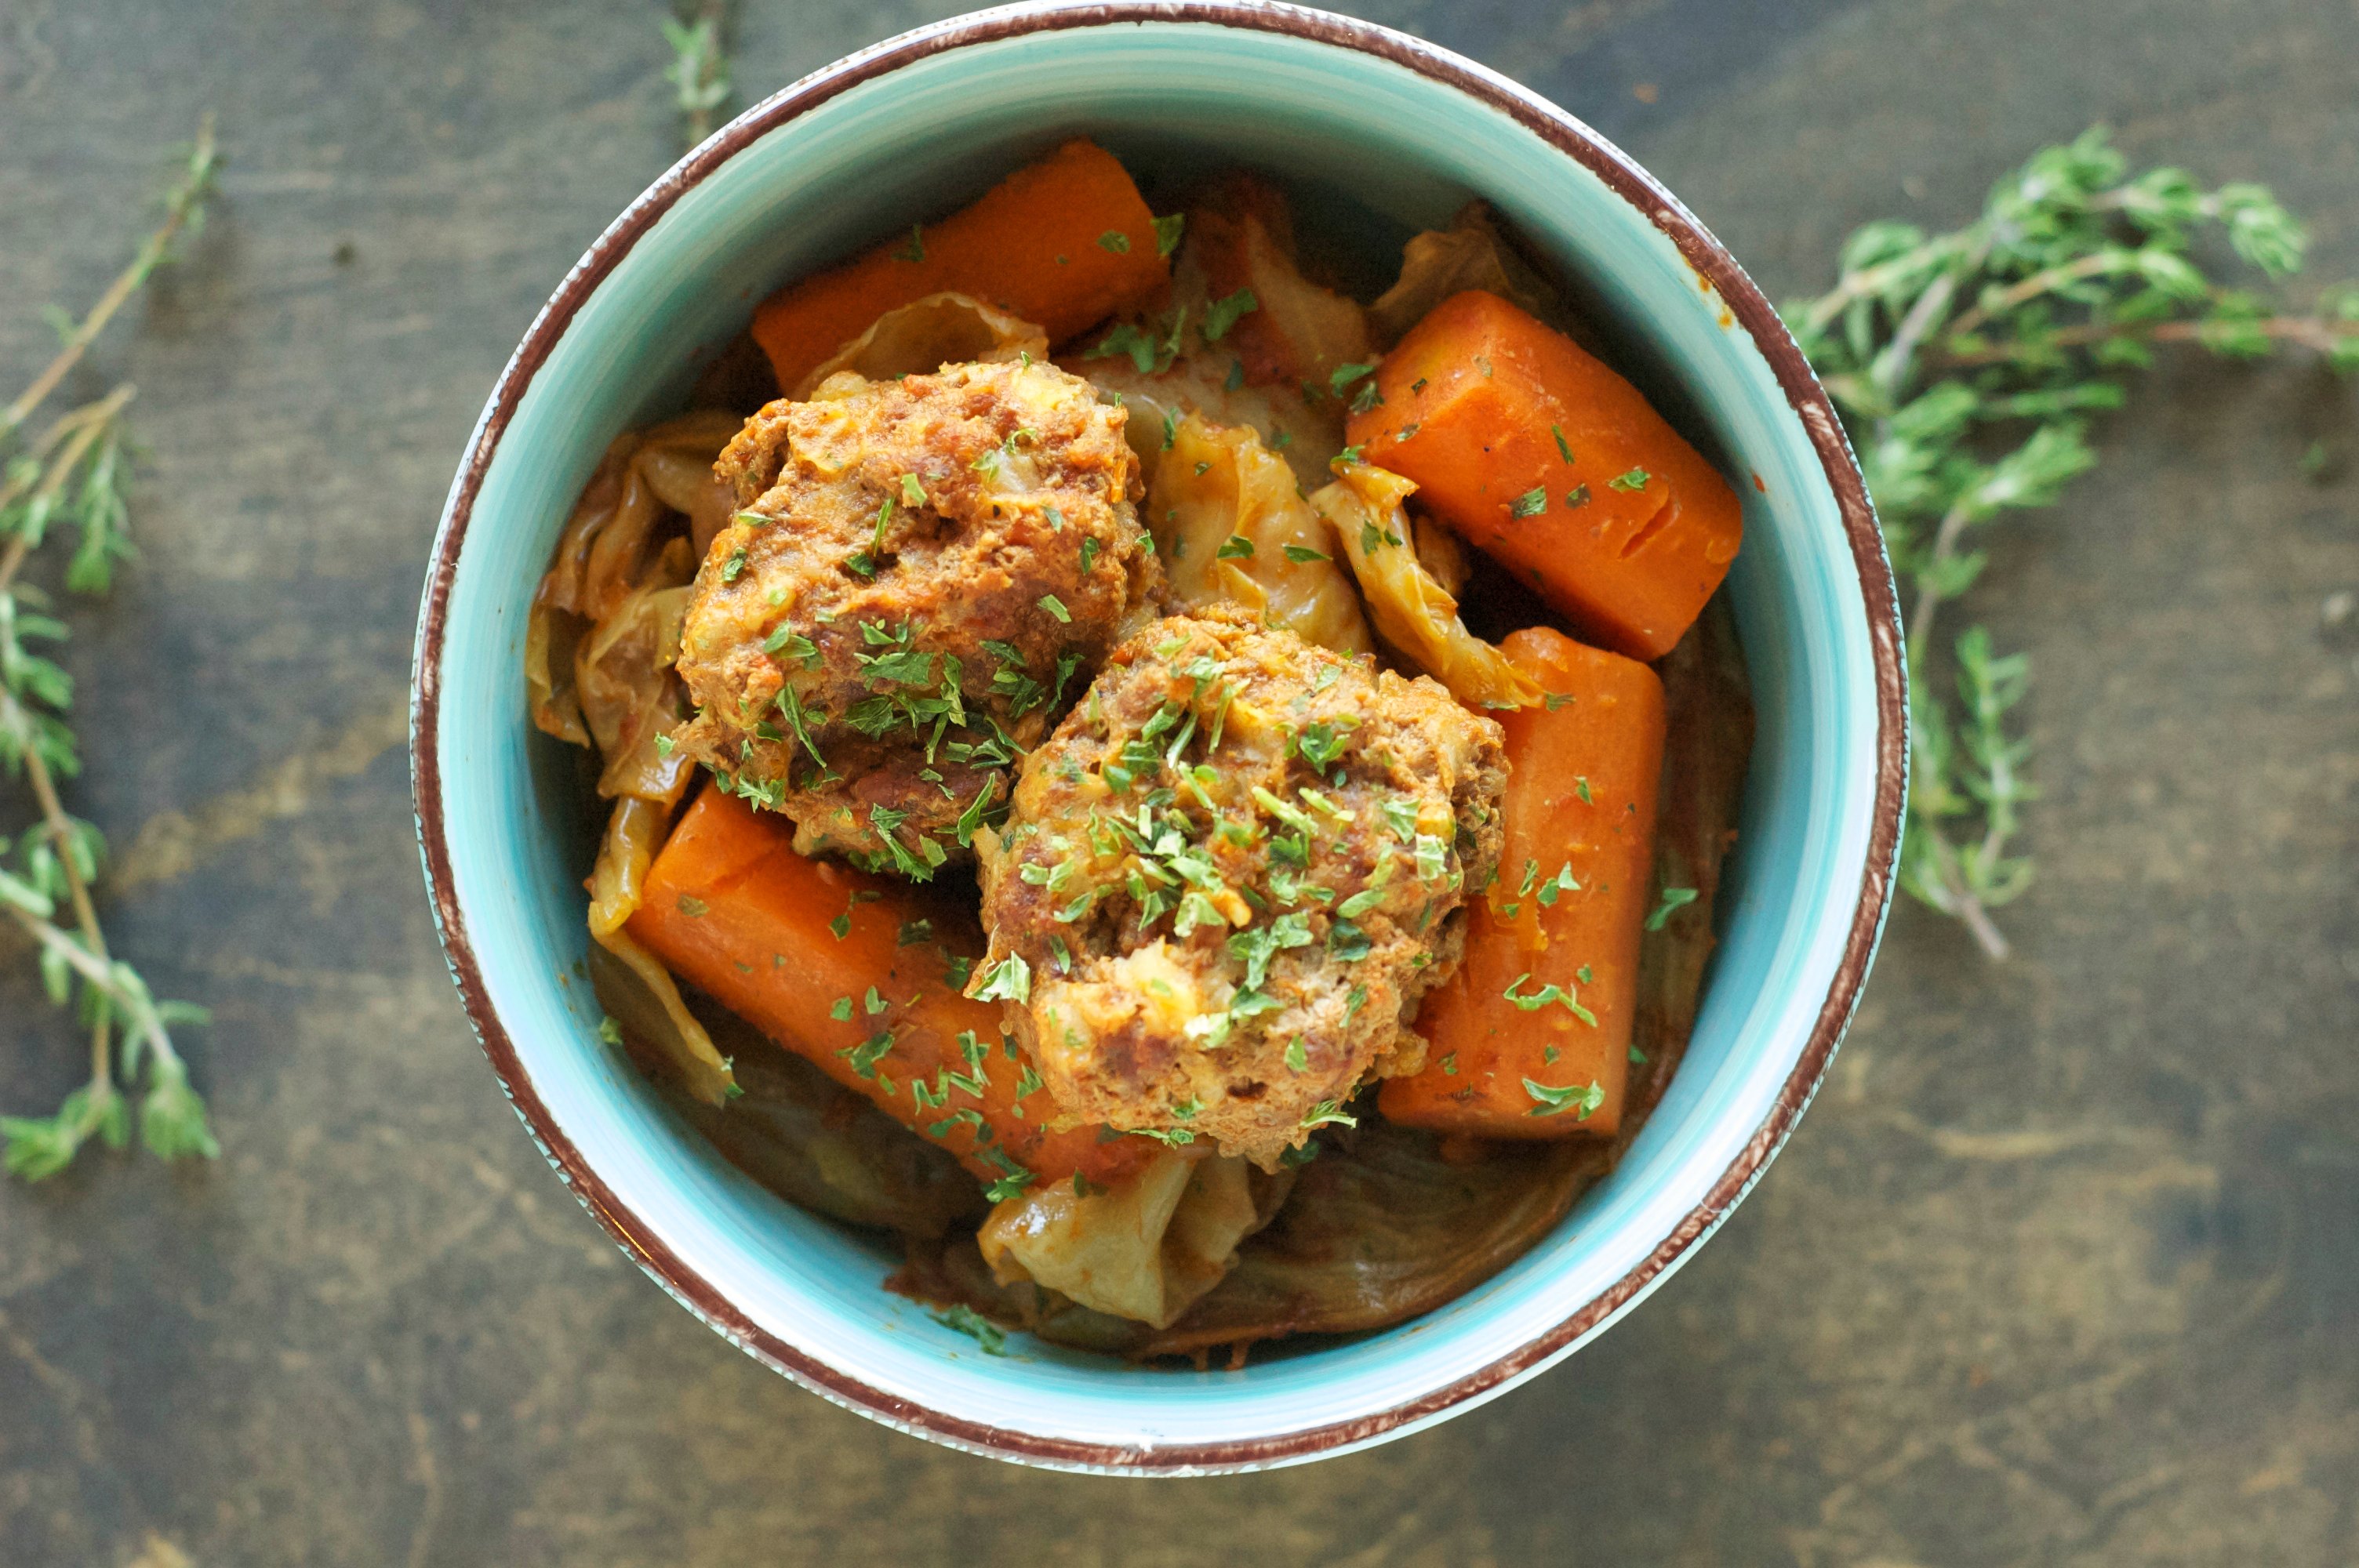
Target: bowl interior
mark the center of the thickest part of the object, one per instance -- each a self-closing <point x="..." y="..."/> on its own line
<point x="1376" y="151"/>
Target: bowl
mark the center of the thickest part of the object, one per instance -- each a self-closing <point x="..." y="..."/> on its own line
<point x="1398" y="133"/>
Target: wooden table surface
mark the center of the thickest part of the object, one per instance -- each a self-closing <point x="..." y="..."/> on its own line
<point x="2063" y="1267"/>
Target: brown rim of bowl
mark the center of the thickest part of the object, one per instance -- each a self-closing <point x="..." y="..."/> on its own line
<point x="1568" y="135"/>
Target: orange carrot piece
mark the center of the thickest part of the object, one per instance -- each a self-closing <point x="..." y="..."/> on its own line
<point x="1536" y="453"/>
<point x="1064" y="242"/>
<point x="1548" y="987"/>
<point x="854" y="972"/>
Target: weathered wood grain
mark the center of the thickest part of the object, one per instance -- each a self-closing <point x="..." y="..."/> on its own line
<point x="2062" y="1268"/>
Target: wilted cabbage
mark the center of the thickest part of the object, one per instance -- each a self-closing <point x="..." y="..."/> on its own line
<point x="924" y="335"/>
<point x="1145" y="1248"/>
<point x="1470" y="253"/>
<point x="1416" y="613"/>
<point x="1231" y="525"/>
<point x="599" y="644"/>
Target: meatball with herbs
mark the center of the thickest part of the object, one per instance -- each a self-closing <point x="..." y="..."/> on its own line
<point x="1229" y="879"/>
<point x="923" y="572"/>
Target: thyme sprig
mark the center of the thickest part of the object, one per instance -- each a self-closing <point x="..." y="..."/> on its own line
<point x="700" y="65"/>
<point x="1966" y="366"/>
<point x="73" y="473"/>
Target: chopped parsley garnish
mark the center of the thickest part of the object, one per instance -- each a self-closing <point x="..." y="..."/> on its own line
<point x="1089" y="553"/>
<point x="1145" y="351"/>
<point x="1581" y="788"/>
<point x="841" y="1010"/>
<point x="840" y="925"/>
<point x="1674" y="899"/>
<point x="1114" y="240"/>
<point x="1576" y="498"/>
<point x="1221" y="315"/>
<point x="1302" y="554"/>
<point x="1296" y="1060"/>
<point x="1327" y="1111"/>
<point x="1056" y="607"/>
<point x="1549" y="1100"/>
<point x="790" y="644"/>
<point x="1563" y="447"/>
<point x="865" y="1056"/>
<point x="965" y="1319"/>
<point x="1347" y="942"/>
<point x="1168" y="230"/>
<point x="1010" y="979"/>
<point x="1237" y="546"/>
<point x="1532" y="503"/>
<point x="1367" y="398"/>
<point x="734" y="566"/>
<point x="1344" y="375"/>
<point x="914" y="932"/>
<point x="1545" y="995"/>
<point x="1635" y="480"/>
<point x="1557" y="699"/>
<point x="694" y="908"/>
<point x="1320" y="744"/>
<point x="913" y="494"/>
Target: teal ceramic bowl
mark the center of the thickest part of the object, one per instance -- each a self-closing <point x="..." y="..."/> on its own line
<point x="1396" y="135"/>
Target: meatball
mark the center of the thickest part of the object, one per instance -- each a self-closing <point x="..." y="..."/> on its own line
<point x="1229" y="879"/>
<point x="922" y="572"/>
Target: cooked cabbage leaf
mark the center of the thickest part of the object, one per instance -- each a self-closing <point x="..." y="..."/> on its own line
<point x="1415" y="613"/>
<point x="1473" y="253"/>
<point x="1231" y="523"/>
<point x="1145" y="1248"/>
<point x="924" y="335"/>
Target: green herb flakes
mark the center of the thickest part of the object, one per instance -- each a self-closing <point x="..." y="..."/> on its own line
<point x="1674" y="899"/>
<point x="1554" y="1101"/>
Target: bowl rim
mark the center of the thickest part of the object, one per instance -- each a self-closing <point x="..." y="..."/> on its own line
<point x="1754" y="315"/>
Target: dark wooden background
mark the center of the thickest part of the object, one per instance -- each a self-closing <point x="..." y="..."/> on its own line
<point x="2064" y="1267"/>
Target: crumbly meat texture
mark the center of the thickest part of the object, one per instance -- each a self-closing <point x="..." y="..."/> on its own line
<point x="1230" y="877"/>
<point x="922" y="573"/>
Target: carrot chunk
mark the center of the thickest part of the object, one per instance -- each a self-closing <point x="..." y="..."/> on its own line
<point x="1531" y="1037"/>
<point x="1063" y="243"/>
<point x="862" y="976"/>
<point x="1530" y="447"/>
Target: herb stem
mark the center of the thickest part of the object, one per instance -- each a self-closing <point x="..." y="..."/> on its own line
<point x="79" y="430"/>
<point x="2322" y="334"/>
<point x="2097" y="263"/>
<point x="1928" y="581"/>
<point x="143" y="1024"/>
<point x="181" y="207"/>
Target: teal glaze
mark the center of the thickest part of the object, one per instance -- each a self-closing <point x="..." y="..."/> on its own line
<point x="915" y="141"/>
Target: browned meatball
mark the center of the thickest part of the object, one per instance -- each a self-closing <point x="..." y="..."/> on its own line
<point x="1229" y="879"/>
<point x="923" y="573"/>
